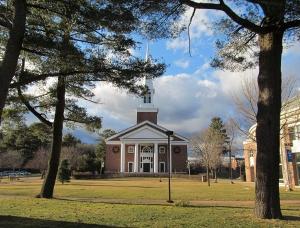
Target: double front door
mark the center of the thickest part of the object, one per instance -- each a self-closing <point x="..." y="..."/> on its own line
<point x="146" y="167"/>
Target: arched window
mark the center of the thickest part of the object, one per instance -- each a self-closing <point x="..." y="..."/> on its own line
<point x="147" y="149"/>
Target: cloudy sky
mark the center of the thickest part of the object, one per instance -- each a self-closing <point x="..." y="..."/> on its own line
<point x="190" y="93"/>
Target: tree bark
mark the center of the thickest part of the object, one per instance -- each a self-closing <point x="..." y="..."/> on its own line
<point x="12" y="50"/>
<point x="267" y="201"/>
<point x="207" y="175"/>
<point x="230" y="167"/>
<point x="49" y="182"/>
<point x="216" y="176"/>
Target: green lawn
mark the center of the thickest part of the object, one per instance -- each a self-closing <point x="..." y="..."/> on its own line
<point x="19" y="208"/>
<point x="141" y="188"/>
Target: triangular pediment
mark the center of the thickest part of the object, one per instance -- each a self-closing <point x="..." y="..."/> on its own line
<point x="145" y="132"/>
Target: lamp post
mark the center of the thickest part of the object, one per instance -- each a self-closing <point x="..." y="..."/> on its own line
<point x="169" y="133"/>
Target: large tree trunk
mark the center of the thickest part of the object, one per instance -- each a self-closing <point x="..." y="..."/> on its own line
<point x="267" y="202"/>
<point x="12" y="50"/>
<point x="49" y="182"/>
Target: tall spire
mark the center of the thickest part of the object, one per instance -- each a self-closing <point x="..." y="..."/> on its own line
<point x="146" y="109"/>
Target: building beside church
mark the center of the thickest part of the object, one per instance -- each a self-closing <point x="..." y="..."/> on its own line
<point x="289" y="146"/>
<point x="142" y="148"/>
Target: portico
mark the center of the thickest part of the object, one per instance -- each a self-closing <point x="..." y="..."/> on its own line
<point x="145" y="157"/>
<point x="143" y="149"/>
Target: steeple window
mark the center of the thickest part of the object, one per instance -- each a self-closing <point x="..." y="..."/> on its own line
<point x="147" y="98"/>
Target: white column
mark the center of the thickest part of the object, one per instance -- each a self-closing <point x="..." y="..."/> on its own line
<point x="155" y="160"/>
<point x="122" y="165"/>
<point x="136" y="158"/>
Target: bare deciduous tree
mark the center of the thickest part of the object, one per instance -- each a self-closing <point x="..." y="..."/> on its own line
<point x="246" y="102"/>
<point x="73" y="155"/>
<point x="231" y="131"/>
<point x="206" y="147"/>
<point x="40" y="161"/>
<point x="11" y="160"/>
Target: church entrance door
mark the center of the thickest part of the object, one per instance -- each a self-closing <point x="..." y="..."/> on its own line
<point x="146" y="159"/>
<point x="146" y="167"/>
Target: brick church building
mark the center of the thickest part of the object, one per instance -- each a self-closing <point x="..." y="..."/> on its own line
<point x="142" y="148"/>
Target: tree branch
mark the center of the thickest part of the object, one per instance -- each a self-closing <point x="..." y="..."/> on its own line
<point x="226" y="9"/>
<point x="34" y="78"/>
<point x="291" y="24"/>
<point x="27" y="104"/>
<point x="34" y="51"/>
<point x="191" y="19"/>
<point x="5" y="23"/>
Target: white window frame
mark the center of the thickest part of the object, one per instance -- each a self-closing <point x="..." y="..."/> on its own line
<point x="132" y="167"/>
<point x="130" y="149"/>
<point x="164" y="167"/>
<point x="162" y="147"/>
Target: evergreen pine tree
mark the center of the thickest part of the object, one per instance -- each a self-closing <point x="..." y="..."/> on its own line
<point x="64" y="173"/>
<point x="218" y="127"/>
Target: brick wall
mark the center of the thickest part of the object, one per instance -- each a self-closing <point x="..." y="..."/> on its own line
<point x="249" y="170"/>
<point x="112" y="159"/>
<point x="179" y="158"/>
<point x="151" y="116"/>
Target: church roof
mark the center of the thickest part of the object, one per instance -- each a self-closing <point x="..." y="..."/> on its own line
<point x="138" y="132"/>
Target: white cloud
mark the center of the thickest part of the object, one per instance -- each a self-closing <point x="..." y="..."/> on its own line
<point x="230" y="82"/>
<point x="291" y="49"/>
<point x="186" y="102"/>
<point x="198" y="29"/>
<point x="182" y="63"/>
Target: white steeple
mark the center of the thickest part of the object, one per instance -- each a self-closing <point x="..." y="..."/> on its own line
<point x="147" y="99"/>
<point x="147" y="102"/>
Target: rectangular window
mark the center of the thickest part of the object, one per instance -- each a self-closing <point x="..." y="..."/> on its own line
<point x="130" y="167"/>
<point x="162" y="149"/>
<point x="130" y="149"/>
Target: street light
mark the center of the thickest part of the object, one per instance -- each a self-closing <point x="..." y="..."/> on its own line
<point x="169" y="134"/>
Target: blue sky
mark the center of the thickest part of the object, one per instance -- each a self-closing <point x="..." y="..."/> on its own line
<point x="190" y="93"/>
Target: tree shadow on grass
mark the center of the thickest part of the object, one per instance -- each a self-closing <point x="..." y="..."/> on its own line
<point x="291" y="218"/>
<point x="21" y="222"/>
<point x="146" y="203"/>
<point x="114" y="201"/>
<point x="114" y="186"/>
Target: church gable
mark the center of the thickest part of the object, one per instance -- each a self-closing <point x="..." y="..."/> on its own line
<point x="139" y="131"/>
<point x="145" y="132"/>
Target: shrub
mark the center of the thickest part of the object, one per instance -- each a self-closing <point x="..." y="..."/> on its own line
<point x="64" y="173"/>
